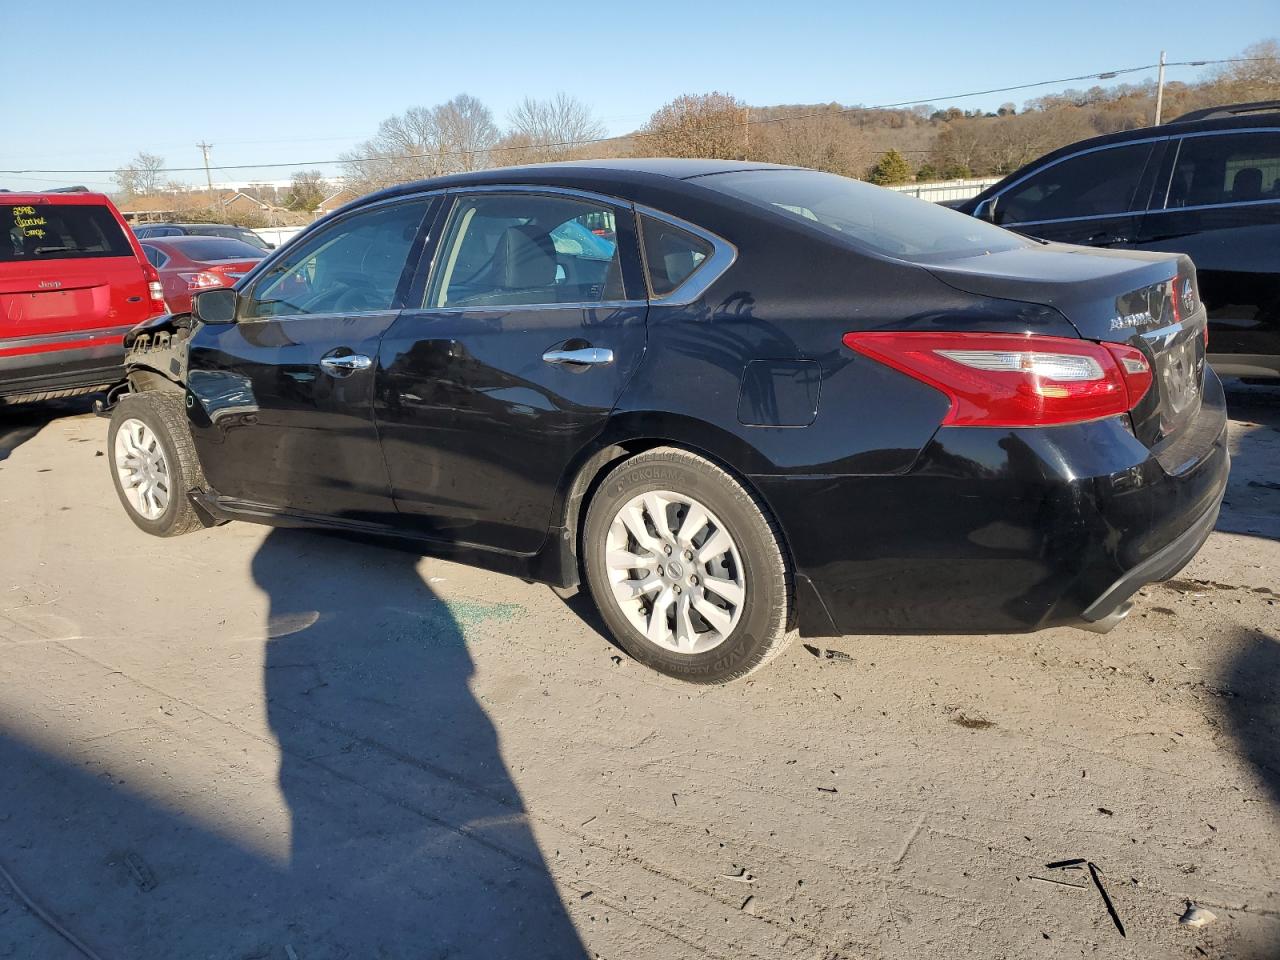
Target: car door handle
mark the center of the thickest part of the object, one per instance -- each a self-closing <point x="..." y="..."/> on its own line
<point x="588" y="356"/>
<point x="346" y="364"/>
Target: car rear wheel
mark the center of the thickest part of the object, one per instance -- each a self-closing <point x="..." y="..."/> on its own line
<point x="686" y="567"/>
<point x="153" y="463"/>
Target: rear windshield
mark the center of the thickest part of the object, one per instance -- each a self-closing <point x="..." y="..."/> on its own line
<point x="240" y="233"/>
<point x="217" y="248"/>
<point x="46" y="231"/>
<point x="867" y="217"/>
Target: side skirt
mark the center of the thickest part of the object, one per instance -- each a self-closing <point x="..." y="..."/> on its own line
<point x="553" y="564"/>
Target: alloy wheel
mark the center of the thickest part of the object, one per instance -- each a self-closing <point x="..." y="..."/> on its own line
<point x="675" y="571"/>
<point x="142" y="468"/>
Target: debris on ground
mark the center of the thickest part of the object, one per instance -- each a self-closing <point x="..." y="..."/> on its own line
<point x="740" y="877"/>
<point x="1195" y="916"/>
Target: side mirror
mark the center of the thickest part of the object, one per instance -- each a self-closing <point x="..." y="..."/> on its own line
<point x="986" y="210"/>
<point x="215" y="306"/>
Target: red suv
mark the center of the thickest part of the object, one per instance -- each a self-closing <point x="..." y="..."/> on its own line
<point x="73" y="281"/>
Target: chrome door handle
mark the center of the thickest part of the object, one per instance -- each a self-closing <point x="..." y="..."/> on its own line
<point x="352" y="361"/>
<point x="589" y="356"/>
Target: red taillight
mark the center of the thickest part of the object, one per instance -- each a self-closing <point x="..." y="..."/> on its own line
<point x="203" y="280"/>
<point x="155" y="290"/>
<point x="1015" y="380"/>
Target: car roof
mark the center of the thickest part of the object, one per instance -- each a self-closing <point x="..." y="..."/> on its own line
<point x="178" y="223"/>
<point x="55" y="196"/>
<point x="625" y="178"/>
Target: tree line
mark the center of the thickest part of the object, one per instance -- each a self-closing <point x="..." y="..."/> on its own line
<point x="884" y="146"/>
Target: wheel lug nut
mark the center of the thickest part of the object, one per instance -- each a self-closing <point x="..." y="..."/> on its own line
<point x="668" y="549"/>
<point x="693" y="581"/>
<point x="661" y="572"/>
<point x="677" y="588"/>
<point x="688" y="554"/>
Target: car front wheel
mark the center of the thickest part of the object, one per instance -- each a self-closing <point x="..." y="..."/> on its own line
<point x="686" y="567"/>
<point x="153" y="463"/>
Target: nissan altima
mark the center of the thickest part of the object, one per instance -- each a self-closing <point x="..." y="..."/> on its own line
<point x="737" y="401"/>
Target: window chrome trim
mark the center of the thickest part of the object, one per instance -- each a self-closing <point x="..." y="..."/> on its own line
<point x="1215" y="206"/>
<point x="522" y="307"/>
<point x="723" y="255"/>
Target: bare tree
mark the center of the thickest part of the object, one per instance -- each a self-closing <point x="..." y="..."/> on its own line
<point x="1256" y="79"/>
<point x="546" y="130"/>
<point x="142" y="176"/>
<point x="466" y="133"/>
<point x="423" y="142"/>
<point x="697" y="125"/>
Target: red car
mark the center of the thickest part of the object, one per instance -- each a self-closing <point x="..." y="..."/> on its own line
<point x="73" y="281"/>
<point x="190" y="263"/>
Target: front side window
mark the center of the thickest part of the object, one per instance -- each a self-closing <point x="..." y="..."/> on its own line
<point x="59" y="231"/>
<point x="523" y="249"/>
<point x="671" y="255"/>
<point x="1093" y="184"/>
<point x="1231" y="168"/>
<point x="353" y="266"/>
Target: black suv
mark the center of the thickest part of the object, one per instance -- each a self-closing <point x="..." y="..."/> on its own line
<point x="1206" y="184"/>
<point x="152" y="231"/>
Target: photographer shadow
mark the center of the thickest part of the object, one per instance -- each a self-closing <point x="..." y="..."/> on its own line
<point x="408" y="836"/>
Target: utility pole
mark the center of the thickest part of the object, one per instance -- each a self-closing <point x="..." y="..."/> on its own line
<point x="208" y="177"/>
<point x="1160" y="90"/>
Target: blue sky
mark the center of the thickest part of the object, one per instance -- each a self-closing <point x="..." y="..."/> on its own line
<point x="90" y="83"/>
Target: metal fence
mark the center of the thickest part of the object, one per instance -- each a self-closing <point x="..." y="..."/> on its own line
<point x="947" y="189"/>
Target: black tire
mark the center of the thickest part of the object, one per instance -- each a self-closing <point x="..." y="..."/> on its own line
<point x="165" y="416"/>
<point x="761" y="632"/>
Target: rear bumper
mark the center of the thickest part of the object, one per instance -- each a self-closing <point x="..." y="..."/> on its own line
<point x="80" y="368"/>
<point x="1160" y="566"/>
<point x="1003" y="531"/>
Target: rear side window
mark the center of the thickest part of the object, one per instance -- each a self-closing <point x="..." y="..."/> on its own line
<point x="527" y="250"/>
<point x="1090" y="184"/>
<point x="1234" y="168"/>
<point x="154" y="256"/>
<point x="671" y="255"/>
<point x="30" y="232"/>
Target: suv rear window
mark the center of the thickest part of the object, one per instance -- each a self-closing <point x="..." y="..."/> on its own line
<point x="41" y="231"/>
<point x="866" y="217"/>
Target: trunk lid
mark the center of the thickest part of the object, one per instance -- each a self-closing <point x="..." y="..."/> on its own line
<point x="1147" y="300"/>
<point x="232" y="270"/>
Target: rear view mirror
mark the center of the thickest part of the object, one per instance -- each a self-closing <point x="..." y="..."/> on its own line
<point x="215" y="306"/>
<point x="986" y="210"/>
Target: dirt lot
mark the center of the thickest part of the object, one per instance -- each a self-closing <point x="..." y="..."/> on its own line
<point x="271" y="744"/>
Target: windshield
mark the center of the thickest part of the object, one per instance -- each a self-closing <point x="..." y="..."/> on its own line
<point x="866" y="216"/>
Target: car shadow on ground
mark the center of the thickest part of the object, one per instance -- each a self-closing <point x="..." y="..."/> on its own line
<point x="1252" y="503"/>
<point x="18" y="424"/>
<point x="407" y="837"/>
<point x="1250" y="698"/>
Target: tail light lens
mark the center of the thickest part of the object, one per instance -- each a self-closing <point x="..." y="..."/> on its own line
<point x="1012" y="380"/>
<point x="203" y="280"/>
<point x="155" y="290"/>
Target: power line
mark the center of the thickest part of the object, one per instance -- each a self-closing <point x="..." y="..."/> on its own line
<point x="787" y="118"/>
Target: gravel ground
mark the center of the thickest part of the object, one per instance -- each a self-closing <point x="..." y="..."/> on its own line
<point x="249" y="743"/>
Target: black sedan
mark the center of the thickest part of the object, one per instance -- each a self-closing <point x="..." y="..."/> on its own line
<point x="738" y="400"/>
